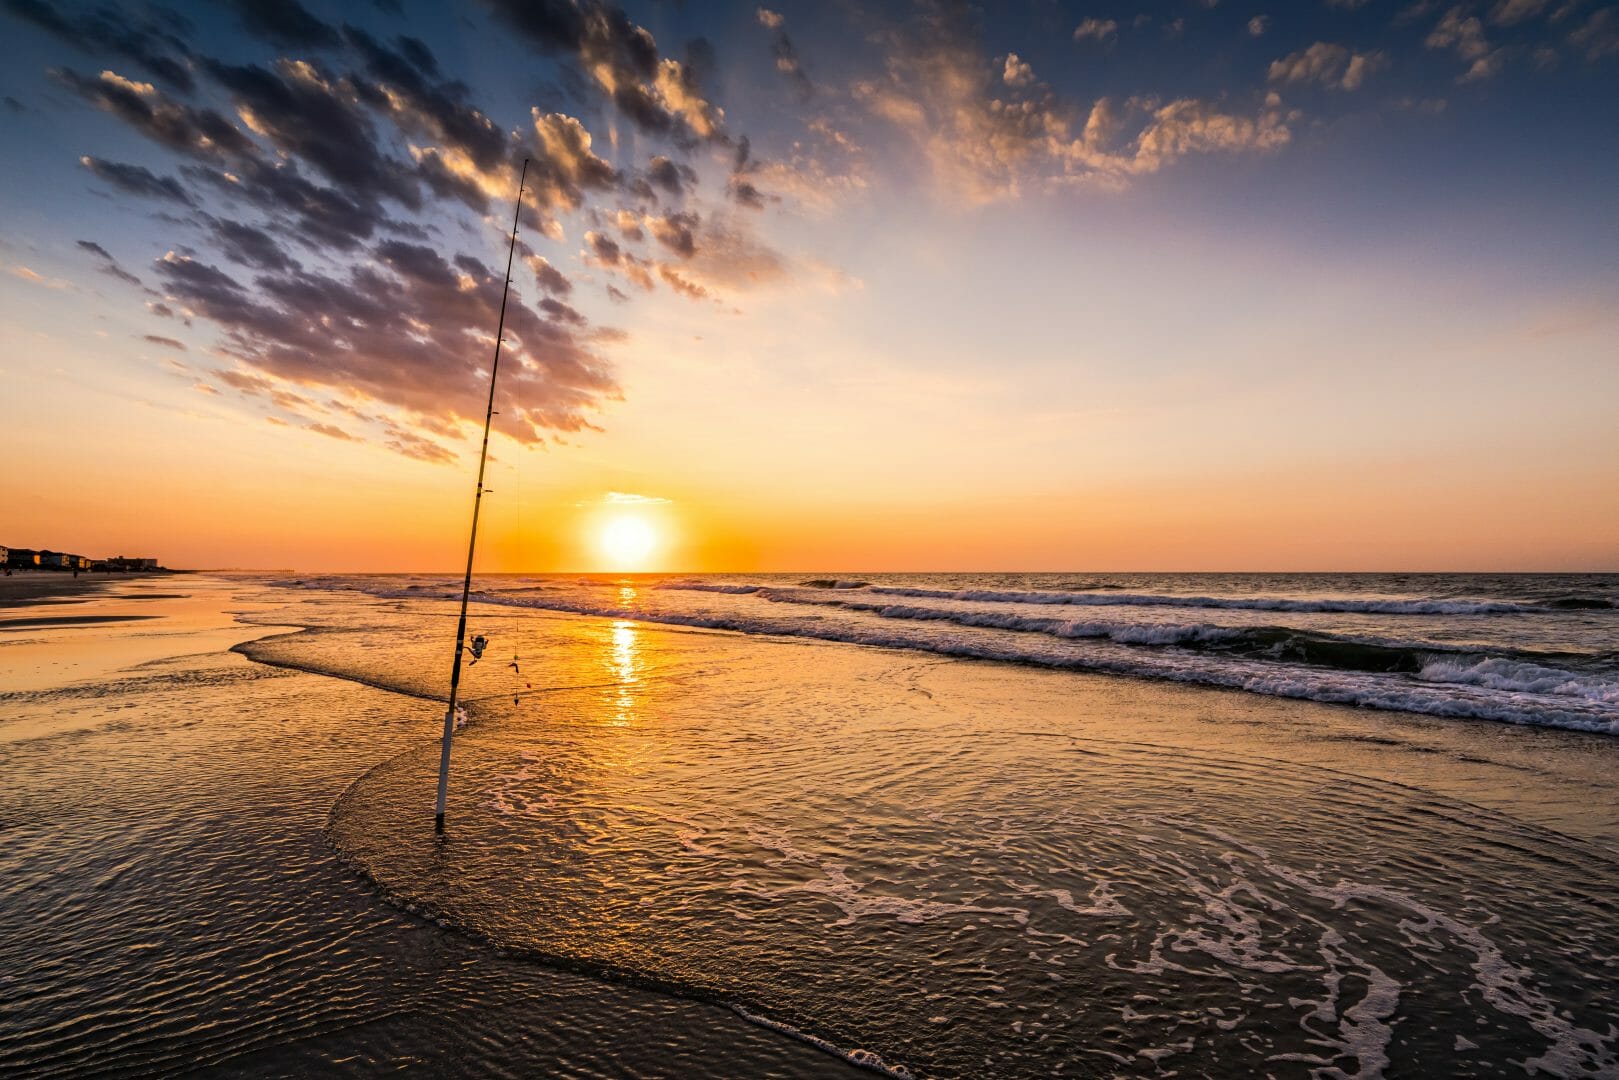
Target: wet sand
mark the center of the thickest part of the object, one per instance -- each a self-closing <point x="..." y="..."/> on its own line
<point x="840" y="839"/>
<point x="27" y="587"/>
<point x="172" y="904"/>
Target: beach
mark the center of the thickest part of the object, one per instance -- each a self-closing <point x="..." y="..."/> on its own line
<point x="674" y="850"/>
<point x="172" y="903"/>
<point x="24" y="588"/>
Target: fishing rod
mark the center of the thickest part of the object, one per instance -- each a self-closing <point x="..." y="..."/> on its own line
<point x="472" y="543"/>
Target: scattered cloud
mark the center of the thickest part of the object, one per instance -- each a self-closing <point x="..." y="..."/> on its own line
<point x="658" y="94"/>
<point x="1101" y="30"/>
<point x="137" y="180"/>
<point x="151" y="40"/>
<point x="33" y="277"/>
<point x="1464" y="34"/>
<point x="109" y="265"/>
<point x="1510" y="12"/>
<point x="1016" y="72"/>
<point x="984" y="140"/>
<point x="284" y="22"/>
<point x="331" y="431"/>
<point x="1332" y="66"/>
<point x="1598" y="36"/>
<point x="786" y="53"/>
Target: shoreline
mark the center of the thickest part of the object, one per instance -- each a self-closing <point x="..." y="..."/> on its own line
<point x="523" y="1013"/>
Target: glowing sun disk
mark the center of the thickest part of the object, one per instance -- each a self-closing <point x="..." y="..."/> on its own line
<point x="628" y="540"/>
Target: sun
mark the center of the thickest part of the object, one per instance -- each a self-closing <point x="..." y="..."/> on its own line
<point x="627" y="540"/>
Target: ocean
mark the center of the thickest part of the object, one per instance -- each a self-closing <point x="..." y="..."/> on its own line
<point x="1523" y="648"/>
<point x="802" y="825"/>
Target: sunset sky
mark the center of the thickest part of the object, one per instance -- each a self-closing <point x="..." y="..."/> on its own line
<point x="828" y="286"/>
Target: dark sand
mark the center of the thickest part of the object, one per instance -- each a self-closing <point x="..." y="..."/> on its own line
<point x="27" y="587"/>
<point x="68" y="620"/>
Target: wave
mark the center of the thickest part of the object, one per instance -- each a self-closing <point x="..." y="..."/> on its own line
<point x="1520" y="688"/>
<point x="1517" y="676"/>
<point x="1523" y="671"/>
<point x="1419" y="606"/>
<point x="1580" y="603"/>
<point x="1099" y="595"/>
<point x="1588" y="704"/>
<point x="711" y="586"/>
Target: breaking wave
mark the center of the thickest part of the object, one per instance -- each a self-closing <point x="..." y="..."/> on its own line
<point x="1108" y="596"/>
<point x="1368" y="666"/>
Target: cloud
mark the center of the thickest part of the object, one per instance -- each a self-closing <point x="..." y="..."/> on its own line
<point x="412" y="445"/>
<point x="548" y="277"/>
<point x="109" y="265"/>
<point x="740" y="188"/>
<point x="676" y="232"/>
<point x="149" y="40"/>
<point x="658" y="94"/>
<point x="402" y="82"/>
<point x="1332" y="66"/>
<point x="1186" y="127"/>
<point x="1258" y="25"/>
<point x="284" y="22"/>
<point x="1102" y="30"/>
<point x="821" y="170"/>
<point x="1463" y="33"/>
<point x="407" y="328"/>
<point x="1509" y="12"/>
<point x="198" y="132"/>
<point x="330" y="431"/>
<point x="34" y="277"/>
<point x="166" y="342"/>
<point x="1598" y="36"/>
<point x="249" y="246"/>
<point x="301" y="110"/>
<point x="137" y="180"/>
<point x="786" y="53"/>
<point x="984" y="141"/>
<point x="1016" y="72"/>
<point x="675" y="178"/>
<point x="319" y="191"/>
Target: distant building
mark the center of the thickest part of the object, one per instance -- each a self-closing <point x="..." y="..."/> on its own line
<point x="28" y="559"/>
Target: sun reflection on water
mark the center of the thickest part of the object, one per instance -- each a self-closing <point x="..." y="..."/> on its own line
<point x="626" y="664"/>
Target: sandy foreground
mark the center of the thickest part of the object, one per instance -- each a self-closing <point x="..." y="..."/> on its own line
<point x="172" y="903"/>
<point x="57" y="630"/>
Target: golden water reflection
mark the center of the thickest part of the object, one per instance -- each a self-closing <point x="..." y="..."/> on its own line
<point x="626" y="667"/>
